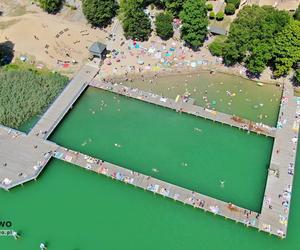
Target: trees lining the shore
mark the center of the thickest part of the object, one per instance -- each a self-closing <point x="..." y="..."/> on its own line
<point x="136" y="23"/>
<point x="194" y="22"/>
<point x="25" y="93"/>
<point x="99" y="12"/>
<point x="164" y="27"/>
<point x="51" y="6"/>
<point x="261" y="37"/>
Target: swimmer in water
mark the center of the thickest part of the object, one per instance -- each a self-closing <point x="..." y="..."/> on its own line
<point x="222" y="183"/>
<point x="117" y="145"/>
<point x="198" y="129"/>
<point x="43" y="246"/>
<point x="155" y="170"/>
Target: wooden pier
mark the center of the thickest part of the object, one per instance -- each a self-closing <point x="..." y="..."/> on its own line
<point x="186" y="105"/>
<point x="189" y="197"/>
<point x="64" y="102"/>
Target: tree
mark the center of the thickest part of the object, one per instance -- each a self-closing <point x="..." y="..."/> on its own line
<point x="252" y="36"/>
<point x="297" y="13"/>
<point x="194" y="22"/>
<point x="212" y="15"/>
<point x="287" y="49"/>
<point x="136" y="23"/>
<point x="99" y="12"/>
<point x="164" y="27"/>
<point x="174" y="6"/>
<point x="229" y="9"/>
<point x="51" y="6"/>
<point x="220" y="16"/>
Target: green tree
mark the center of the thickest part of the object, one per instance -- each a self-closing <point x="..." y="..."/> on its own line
<point x="174" y="6"/>
<point x="164" y="27"/>
<point x="251" y="37"/>
<point x="287" y="49"/>
<point x="194" y="22"/>
<point x="51" y="6"/>
<point x="297" y="13"/>
<point x="136" y="23"/>
<point x="99" y="12"/>
<point x="212" y="15"/>
<point x="229" y="9"/>
<point x="220" y="16"/>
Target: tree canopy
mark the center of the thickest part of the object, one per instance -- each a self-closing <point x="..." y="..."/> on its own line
<point x="194" y="22"/>
<point x="136" y="23"/>
<point x="253" y="35"/>
<point x="174" y="6"/>
<point x="51" y="6"/>
<point x="164" y="27"/>
<point x="287" y="48"/>
<point x="99" y="12"/>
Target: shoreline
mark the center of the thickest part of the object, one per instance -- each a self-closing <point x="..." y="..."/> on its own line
<point x="183" y="71"/>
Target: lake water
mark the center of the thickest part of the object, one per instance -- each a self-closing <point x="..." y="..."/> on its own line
<point x="71" y="208"/>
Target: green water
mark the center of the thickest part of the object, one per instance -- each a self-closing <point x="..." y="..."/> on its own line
<point x="257" y="103"/>
<point x="74" y="209"/>
<point x="191" y="152"/>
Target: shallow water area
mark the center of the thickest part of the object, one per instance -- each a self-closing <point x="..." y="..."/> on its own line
<point x="224" y="93"/>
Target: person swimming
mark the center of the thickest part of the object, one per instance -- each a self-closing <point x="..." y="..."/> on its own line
<point x="222" y="183"/>
<point x="155" y="170"/>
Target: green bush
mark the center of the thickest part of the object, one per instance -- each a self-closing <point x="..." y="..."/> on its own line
<point x="25" y="93"/>
<point x="209" y="6"/>
<point x="229" y="9"/>
<point x="212" y="15"/>
<point x="164" y="27"/>
<point x="216" y="47"/>
<point x="220" y="16"/>
<point x="236" y="3"/>
<point x="99" y="12"/>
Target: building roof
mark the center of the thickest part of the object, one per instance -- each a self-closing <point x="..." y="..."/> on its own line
<point x="97" y="48"/>
<point x="217" y="30"/>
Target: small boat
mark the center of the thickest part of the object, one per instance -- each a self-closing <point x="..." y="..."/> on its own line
<point x="260" y="84"/>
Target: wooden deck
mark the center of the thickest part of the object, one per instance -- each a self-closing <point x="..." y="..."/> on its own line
<point x="278" y="192"/>
<point x="64" y="102"/>
<point x="157" y="186"/>
<point x="186" y="106"/>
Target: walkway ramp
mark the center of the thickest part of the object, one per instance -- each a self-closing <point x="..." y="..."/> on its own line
<point x="64" y="102"/>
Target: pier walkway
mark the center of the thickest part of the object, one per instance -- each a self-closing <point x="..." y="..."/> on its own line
<point x="186" y="105"/>
<point x="22" y="157"/>
<point x="64" y="102"/>
<point x="197" y="200"/>
<point x="278" y="192"/>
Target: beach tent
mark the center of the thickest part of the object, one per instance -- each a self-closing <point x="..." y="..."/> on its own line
<point x="98" y="50"/>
